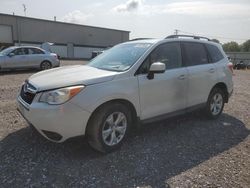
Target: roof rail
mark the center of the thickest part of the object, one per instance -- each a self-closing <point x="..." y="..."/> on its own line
<point x="190" y="36"/>
<point x="140" y="39"/>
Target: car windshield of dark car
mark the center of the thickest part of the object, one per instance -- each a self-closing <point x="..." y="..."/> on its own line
<point x="120" y="57"/>
<point x="6" y="51"/>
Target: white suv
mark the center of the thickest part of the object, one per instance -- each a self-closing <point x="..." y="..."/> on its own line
<point x="143" y="80"/>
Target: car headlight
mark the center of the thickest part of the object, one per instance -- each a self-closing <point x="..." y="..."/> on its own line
<point x="59" y="96"/>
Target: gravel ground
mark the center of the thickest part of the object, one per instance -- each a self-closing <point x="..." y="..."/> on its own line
<point x="186" y="151"/>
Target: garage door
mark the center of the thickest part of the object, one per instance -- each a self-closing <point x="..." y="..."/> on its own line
<point x="5" y="34"/>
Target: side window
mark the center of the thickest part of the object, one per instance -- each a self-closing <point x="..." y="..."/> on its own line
<point x="26" y="51"/>
<point x="169" y="53"/>
<point x="195" y="54"/>
<point x="214" y="53"/>
<point x="18" y="51"/>
<point x="35" y="51"/>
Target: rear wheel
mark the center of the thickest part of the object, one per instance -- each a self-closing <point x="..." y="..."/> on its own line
<point x="108" y="127"/>
<point x="45" y="65"/>
<point x="215" y="103"/>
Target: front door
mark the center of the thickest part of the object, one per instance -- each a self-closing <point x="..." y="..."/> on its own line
<point x="166" y="92"/>
<point x="18" y="60"/>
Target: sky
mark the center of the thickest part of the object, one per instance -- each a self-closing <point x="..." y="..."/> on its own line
<point x="225" y="20"/>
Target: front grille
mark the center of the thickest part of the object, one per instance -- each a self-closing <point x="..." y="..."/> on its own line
<point x="27" y="95"/>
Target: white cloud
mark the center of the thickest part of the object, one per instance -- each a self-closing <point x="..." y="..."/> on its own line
<point x="129" y="6"/>
<point x="212" y="8"/>
<point x="207" y="8"/>
<point x="98" y="4"/>
<point x="76" y="16"/>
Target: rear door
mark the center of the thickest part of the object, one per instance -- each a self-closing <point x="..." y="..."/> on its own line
<point x="36" y="56"/>
<point x="201" y="72"/>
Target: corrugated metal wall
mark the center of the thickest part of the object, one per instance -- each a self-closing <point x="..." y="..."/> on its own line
<point x="71" y="40"/>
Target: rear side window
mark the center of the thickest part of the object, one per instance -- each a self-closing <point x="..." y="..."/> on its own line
<point x="194" y="54"/>
<point x="214" y="52"/>
<point x="35" y="51"/>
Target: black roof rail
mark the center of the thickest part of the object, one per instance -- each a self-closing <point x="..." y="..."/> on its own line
<point x="140" y="39"/>
<point x="190" y="36"/>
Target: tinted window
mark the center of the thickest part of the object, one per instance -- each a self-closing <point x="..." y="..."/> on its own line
<point x="19" y="51"/>
<point x="26" y="51"/>
<point x="195" y="54"/>
<point x="214" y="53"/>
<point x="169" y="53"/>
<point x="35" y="51"/>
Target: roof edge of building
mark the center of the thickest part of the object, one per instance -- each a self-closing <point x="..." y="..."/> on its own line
<point x="60" y="22"/>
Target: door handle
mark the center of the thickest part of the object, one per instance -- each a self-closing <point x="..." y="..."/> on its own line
<point x="181" y="77"/>
<point x="212" y="70"/>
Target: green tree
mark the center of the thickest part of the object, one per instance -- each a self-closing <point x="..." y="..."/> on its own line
<point x="231" y="47"/>
<point x="245" y="47"/>
<point x="215" y="40"/>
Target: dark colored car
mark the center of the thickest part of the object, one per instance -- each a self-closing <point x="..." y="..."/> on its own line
<point x="248" y="65"/>
<point x="96" y="53"/>
<point x="240" y="65"/>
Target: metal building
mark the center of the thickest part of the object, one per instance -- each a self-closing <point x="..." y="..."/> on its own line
<point x="70" y="40"/>
<point x="237" y="57"/>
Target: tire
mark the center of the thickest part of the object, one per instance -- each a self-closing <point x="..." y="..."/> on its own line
<point x="103" y="133"/>
<point x="45" y="65"/>
<point x="215" y="103"/>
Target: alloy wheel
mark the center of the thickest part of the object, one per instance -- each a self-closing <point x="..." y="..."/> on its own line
<point x="216" y="104"/>
<point x="114" y="128"/>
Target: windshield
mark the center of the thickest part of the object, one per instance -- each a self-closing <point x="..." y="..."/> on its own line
<point x="6" y="51"/>
<point x="120" y="57"/>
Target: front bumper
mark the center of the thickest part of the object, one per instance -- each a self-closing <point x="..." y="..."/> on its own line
<point x="55" y="122"/>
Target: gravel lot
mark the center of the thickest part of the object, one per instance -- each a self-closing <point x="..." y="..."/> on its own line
<point x="186" y="151"/>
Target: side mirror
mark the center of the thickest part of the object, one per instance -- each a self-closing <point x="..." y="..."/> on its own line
<point x="11" y="54"/>
<point x="156" y="68"/>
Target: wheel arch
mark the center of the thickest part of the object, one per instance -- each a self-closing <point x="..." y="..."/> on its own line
<point x="125" y="102"/>
<point x="46" y="60"/>
<point x="223" y="87"/>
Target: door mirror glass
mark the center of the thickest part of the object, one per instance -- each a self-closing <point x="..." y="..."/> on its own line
<point x="155" y="68"/>
<point x="11" y="54"/>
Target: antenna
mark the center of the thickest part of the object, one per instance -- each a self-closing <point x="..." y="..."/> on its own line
<point x="24" y="9"/>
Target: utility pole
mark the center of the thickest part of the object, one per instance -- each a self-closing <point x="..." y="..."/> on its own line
<point x="176" y="31"/>
<point x="24" y="9"/>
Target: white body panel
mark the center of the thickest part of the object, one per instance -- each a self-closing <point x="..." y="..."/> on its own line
<point x="163" y="94"/>
<point x="176" y="89"/>
<point x="201" y="79"/>
<point x="67" y="119"/>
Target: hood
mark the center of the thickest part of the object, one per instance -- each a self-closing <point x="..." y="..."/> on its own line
<point x="68" y="76"/>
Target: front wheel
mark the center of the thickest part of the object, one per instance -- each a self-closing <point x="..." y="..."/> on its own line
<point x="215" y="103"/>
<point x="109" y="127"/>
